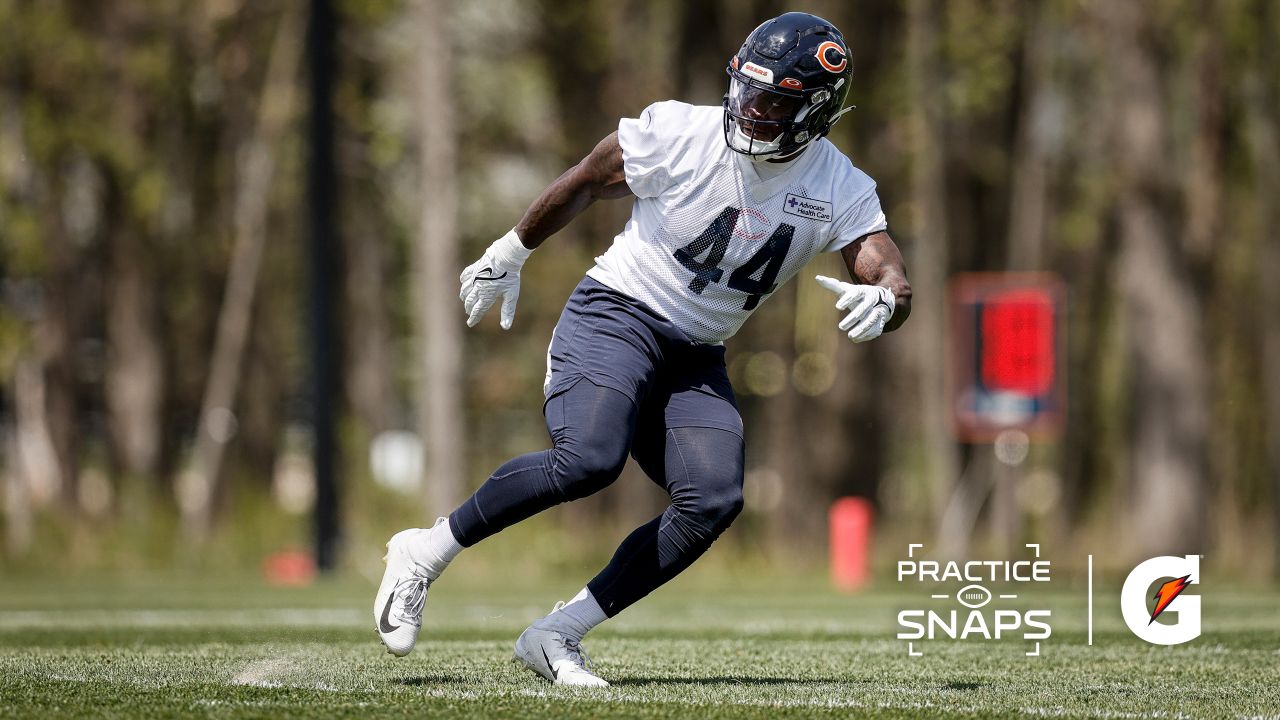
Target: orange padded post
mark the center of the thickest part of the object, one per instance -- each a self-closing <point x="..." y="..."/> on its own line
<point x="850" y="525"/>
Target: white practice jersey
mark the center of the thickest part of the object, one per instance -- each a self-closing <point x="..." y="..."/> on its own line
<point x="712" y="234"/>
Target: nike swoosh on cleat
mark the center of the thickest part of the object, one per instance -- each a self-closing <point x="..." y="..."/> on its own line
<point x="384" y="623"/>
<point x="554" y="675"/>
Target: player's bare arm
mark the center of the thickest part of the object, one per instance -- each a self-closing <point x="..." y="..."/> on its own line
<point x="879" y="299"/>
<point x="875" y="260"/>
<point x="497" y="272"/>
<point x="599" y="176"/>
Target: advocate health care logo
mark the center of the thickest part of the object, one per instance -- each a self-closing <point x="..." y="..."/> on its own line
<point x="973" y="612"/>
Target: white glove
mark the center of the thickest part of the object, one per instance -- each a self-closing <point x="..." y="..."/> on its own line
<point x="497" y="272"/>
<point x="869" y="306"/>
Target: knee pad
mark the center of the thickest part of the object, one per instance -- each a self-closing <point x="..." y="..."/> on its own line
<point x="713" y="460"/>
<point x="722" y="503"/>
<point x="587" y="468"/>
<point x="591" y="427"/>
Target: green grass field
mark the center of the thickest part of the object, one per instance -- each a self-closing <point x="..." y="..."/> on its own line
<point x="222" y="650"/>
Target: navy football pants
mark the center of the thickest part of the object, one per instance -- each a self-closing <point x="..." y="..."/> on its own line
<point x="622" y="379"/>
<point x="593" y="428"/>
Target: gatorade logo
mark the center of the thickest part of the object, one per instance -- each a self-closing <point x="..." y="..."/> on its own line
<point x="1177" y="573"/>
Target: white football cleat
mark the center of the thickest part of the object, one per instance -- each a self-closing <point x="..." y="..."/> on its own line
<point x="397" y="608"/>
<point x="555" y="657"/>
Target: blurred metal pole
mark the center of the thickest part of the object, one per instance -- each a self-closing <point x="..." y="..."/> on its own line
<point x="321" y="201"/>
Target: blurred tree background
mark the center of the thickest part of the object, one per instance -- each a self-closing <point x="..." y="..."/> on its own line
<point x="154" y="408"/>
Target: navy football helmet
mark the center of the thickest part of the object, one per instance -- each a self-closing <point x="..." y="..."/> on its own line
<point x="787" y="86"/>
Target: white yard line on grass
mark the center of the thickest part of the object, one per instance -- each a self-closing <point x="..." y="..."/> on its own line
<point x="838" y="702"/>
<point x="95" y="619"/>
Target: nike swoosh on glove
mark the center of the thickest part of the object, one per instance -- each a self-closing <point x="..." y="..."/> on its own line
<point x="869" y="306"/>
<point x="496" y="274"/>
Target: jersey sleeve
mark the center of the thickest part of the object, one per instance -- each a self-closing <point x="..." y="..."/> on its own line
<point x="656" y="148"/>
<point x="862" y="216"/>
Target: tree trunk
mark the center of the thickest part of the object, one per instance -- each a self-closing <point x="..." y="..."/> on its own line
<point x="135" y="364"/>
<point x="15" y="497"/>
<point x="1025" y="243"/>
<point x="1168" y="370"/>
<point x="1270" y="269"/>
<point x="439" y="390"/>
<point x="1262" y="117"/>
<point x="57" y="332"/>
<point x="1028" y="191"/>
<point x="35" y="462"/>
<point x="1092" y="444"/>
<point x="370" y="361"/>
<point x="927" y="258"/>
<point x="198" y="489"/>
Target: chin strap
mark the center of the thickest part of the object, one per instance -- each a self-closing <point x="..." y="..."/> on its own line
<point x="779" y="158"/>
<point x="839" y="115"/>
<point x="821" y="134"/>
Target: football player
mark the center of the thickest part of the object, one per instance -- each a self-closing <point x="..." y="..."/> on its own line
<point x="729" y="203"/>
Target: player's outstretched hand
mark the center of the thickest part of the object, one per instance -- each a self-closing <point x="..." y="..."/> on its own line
<point x="869" y="306"/>
<point x="496" y="274"/>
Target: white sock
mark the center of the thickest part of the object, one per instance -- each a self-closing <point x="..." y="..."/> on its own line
<point x="436" y="548"/>
<point x="577" y="617"/>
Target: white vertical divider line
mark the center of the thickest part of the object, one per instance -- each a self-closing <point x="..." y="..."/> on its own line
<point x="1091" y="599"/>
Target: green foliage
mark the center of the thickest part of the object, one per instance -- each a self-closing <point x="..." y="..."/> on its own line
<point x="982" y="40"/>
